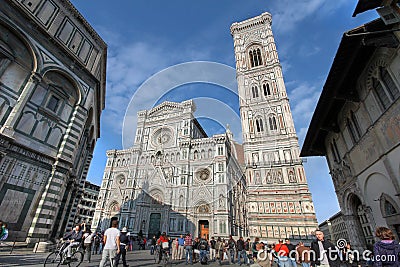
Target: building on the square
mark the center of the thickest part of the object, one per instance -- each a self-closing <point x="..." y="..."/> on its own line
<point x="335" y="228"/>
<point x="279" y="202"/>
<point x="52" y="90"/>
<point x="176" y="179"/>
<point x="84" y="212"/>
<point x="356" y="127"/>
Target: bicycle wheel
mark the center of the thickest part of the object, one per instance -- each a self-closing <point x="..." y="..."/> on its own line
<point x="167" y="260"/>
<point x="156" y="255"/>
<point x="53" y="259"/>
<point x="76" y="259"/>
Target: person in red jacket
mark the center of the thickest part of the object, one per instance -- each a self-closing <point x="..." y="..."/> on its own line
<point x="163" y="243"/>
<point x="283" y="253"/>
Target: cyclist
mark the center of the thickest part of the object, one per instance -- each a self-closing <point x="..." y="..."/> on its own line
<point x="74" y="238"/>
<point x="163" y="244"/>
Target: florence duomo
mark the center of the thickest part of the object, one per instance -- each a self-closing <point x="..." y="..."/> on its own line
<point x="153" y="131"/>
<point x="176" y="179"/>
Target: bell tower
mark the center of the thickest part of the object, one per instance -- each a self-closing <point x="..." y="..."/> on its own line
<point x="279" y="202"/>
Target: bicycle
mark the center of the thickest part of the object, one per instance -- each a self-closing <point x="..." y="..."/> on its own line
<point x="165" y="258"/>
<point x="156" y="253"/>
<point x="58" y="257"/>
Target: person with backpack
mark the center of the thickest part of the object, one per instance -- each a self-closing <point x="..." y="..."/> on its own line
<point x="241" y="251"/>
<point x="203" y="247"/>
<point x="232" y="249"/>
<point x="387" y="250"/>
<point x="87" y="244"/>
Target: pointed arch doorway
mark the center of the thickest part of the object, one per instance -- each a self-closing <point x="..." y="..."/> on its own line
<point x="204" y="229"/>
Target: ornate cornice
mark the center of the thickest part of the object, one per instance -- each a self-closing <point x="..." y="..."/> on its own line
<point x="264" y="18"/>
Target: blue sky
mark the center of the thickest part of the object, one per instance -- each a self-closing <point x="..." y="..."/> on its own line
<point x="145" y="37"/>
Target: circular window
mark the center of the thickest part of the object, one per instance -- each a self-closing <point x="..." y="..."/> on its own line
<point x="203" y="174"/>
<point x="162" y="136"/>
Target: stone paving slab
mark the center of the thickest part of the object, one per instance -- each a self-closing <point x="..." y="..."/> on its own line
<point x="26" y="257"/>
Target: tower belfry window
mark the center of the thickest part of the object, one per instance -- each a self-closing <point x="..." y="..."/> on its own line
<point x="254" y="90"/>
<point x="259" y="125"/>
<point x="255" y="57"/>
<point x="267" y="89"/>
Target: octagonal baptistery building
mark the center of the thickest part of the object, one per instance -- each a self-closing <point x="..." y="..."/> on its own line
<point x="52" y="90"/>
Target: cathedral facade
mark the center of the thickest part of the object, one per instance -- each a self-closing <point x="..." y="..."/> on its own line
<point x="176" y="179"/>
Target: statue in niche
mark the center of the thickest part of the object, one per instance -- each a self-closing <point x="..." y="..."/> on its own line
<point x="279" y="177"/>
<point x="269" y="179"/>
<point x="221" y="202"/>
<point x="258" y="180"/>
<point x="346" y="169"/>
<point x="292" y="177"/>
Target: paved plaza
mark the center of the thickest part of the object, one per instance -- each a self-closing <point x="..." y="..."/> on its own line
<point x="25" y="257"/>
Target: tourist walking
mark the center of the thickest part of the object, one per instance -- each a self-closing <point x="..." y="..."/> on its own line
<point x="282" y="252"/>
<point x="231" y="249"/>
<point x="175" y="246"/>
<point x="292" y="253"/>
<point x="303" y="255"/>
<point x="88" y="237"/>
<point x="203" y="247"/>
<point x="241" y="251"/>
<point x="123" y="242"/>
<point x="323" y="253"/>
<point x="220" y="247"/>
<point x="188" y="249"/>
<point x="387" y="250"/>
<point x="181" y="245"/>
<point x="212" y="249"/>
<point x="111" y="244"/>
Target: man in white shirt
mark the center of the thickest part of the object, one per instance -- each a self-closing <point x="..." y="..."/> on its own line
<point x="111" y="243"/>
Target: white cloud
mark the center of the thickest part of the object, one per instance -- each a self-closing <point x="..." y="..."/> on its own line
<point x="287" y="14"/>
<point x="303" y="99"/>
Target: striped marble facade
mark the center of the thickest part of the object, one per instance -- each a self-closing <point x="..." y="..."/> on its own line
<point x="52" y="90"/>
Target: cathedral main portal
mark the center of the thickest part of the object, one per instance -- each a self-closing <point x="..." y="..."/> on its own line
<point x="154" y="224"/>
<point x="204" y="227"/>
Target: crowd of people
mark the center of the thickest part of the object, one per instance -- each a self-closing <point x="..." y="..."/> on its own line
<point x="113" y="244"/>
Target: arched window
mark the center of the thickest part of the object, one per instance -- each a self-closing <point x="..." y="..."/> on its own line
<point x="196" y="155"/>
<point x="267" y="89"/>
<point x="255" y="57"/>
<point x="385" y="88"/>
<point x="254" y="90"/>
<point x="272" y="123"/>
<point x="389" y="209"/>
<point x="259" y="125"/>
